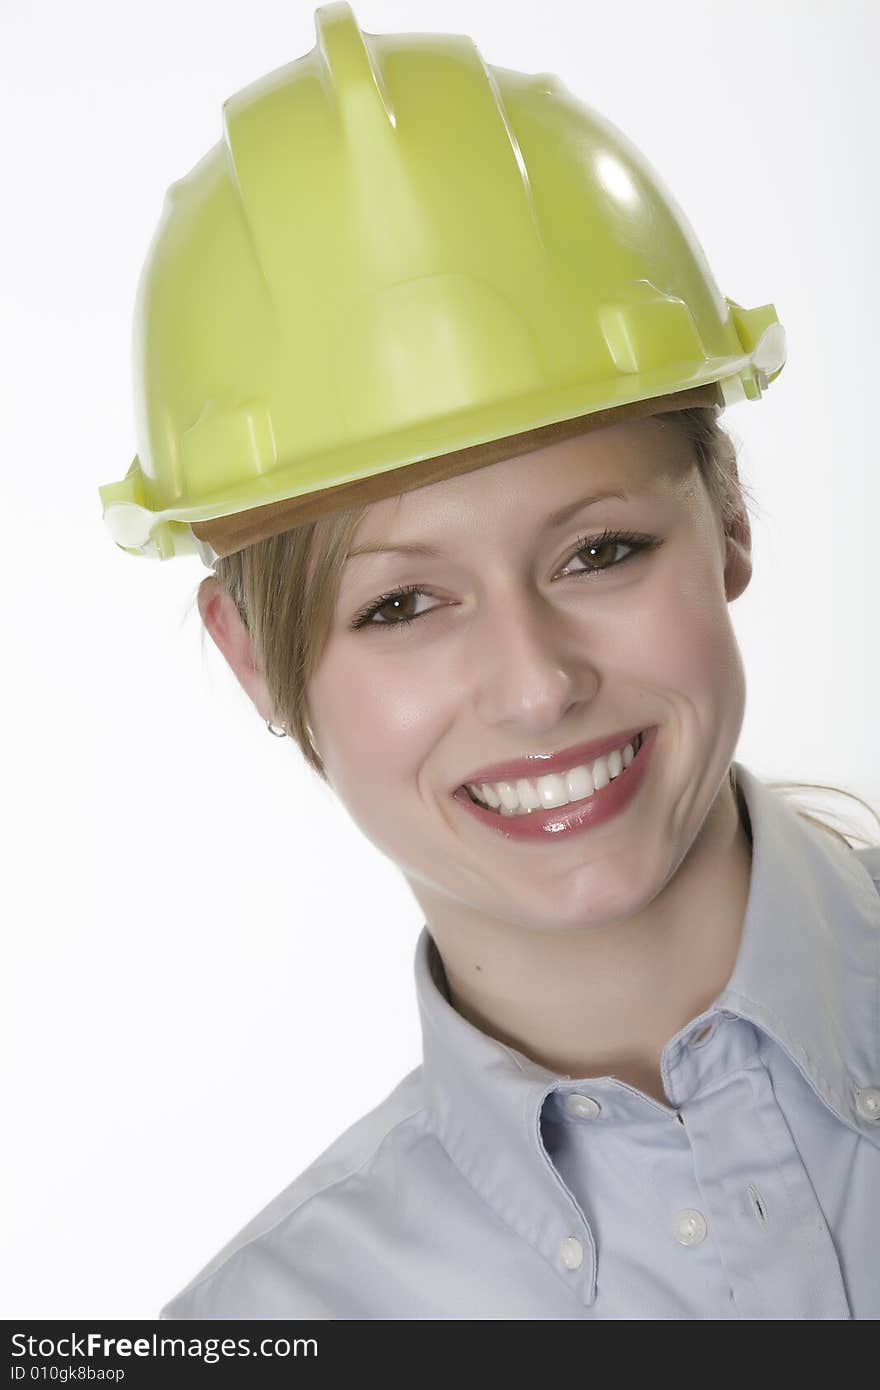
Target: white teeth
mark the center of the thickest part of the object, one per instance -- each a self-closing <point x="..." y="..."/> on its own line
<point x="528" y="796"/>
<point x="555" y="789"/>
<point x="579" y="782"/>
<point x="601" y="775"/>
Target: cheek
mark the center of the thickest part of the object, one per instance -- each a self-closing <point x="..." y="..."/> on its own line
<point x="376" y="722"/>
<point x="682" y="639"/>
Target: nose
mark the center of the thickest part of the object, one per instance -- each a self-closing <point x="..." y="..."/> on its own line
<point x="529" y="669"/>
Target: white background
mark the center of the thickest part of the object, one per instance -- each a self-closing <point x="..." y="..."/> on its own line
<point x="195" y="1000"/>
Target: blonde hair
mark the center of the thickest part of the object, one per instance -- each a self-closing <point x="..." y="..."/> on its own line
<point x="285" y="589"/>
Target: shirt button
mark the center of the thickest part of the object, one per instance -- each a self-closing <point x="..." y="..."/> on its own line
<point x="868" y="1102"/>
<point x="571" y="1252"/>
<point x="583" y="1106"/>
<point x="690" y="1226"/>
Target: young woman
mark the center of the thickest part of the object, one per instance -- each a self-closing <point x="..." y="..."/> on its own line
<point x="432" y="375"/>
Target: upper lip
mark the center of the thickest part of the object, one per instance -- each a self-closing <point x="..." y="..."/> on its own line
<point x="539" y="764"/>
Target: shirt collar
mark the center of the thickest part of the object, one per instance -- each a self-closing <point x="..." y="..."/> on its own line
<point x="806" y="974"/>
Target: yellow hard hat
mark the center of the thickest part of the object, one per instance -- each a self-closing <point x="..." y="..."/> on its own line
<point x="397" y="264"/>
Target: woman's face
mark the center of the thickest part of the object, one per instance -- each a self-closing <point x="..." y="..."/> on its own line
<point x="514" y="648"/>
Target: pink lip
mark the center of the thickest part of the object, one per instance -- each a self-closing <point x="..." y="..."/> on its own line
<point x="576" y="816"/>
<point x="539" y="764"/>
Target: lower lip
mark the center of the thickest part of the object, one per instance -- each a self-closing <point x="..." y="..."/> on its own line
<point x="577" y="815"/>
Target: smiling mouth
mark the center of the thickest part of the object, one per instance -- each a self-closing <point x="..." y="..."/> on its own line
<point x="522" y="796"/>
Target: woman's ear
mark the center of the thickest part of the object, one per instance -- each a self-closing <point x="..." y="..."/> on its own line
<point x="738" y="555"/>
<point x="223" y="621"/>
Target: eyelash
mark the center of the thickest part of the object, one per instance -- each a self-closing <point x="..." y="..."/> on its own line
<point x="638" y="543"/>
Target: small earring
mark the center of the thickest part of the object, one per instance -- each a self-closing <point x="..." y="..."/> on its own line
<point x="279" y="733"/>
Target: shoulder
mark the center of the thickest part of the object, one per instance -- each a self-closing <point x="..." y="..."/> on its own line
<point x="285" y="1261"/>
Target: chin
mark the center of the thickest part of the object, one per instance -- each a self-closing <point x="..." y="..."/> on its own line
<point x="591" y="898"/>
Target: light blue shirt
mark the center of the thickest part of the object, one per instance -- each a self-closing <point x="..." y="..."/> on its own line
<point x="486" y="1187"/>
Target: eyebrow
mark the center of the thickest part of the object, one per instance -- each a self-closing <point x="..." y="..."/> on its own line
<point x="552" y="524"/>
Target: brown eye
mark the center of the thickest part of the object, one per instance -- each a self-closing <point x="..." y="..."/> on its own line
<point x="400" y="608"/>
<point x="599" y="553"/>
<point x="396" y="609"/>
<point x="594" y="553"/>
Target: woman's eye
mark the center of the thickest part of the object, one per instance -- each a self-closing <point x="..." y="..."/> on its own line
<point x="398" y="608"/>
<point x="600" y="552"/>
